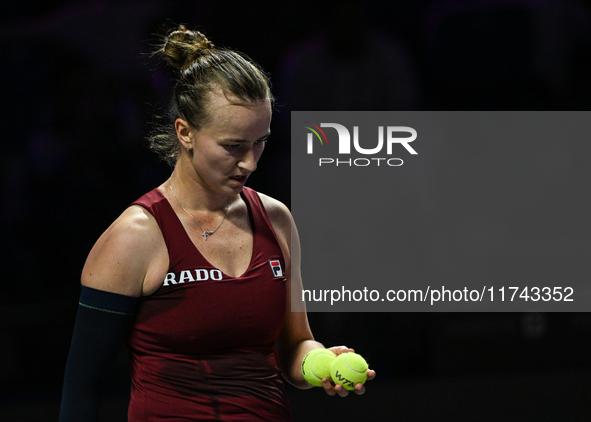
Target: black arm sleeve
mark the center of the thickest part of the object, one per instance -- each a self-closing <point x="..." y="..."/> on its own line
<point x="102" y="322"/>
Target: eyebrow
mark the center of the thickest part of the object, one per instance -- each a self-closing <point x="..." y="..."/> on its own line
<point x="244" y="140"/>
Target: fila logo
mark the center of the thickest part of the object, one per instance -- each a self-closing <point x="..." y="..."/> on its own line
<point x="276" y="268"/>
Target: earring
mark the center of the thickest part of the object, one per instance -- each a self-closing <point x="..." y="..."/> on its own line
<point x="188" y="149"/>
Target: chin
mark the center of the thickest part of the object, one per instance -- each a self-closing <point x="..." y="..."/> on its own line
<point x="232" y="190"/>
<point x="237" y="186"/>
<point x="237" y="190"/>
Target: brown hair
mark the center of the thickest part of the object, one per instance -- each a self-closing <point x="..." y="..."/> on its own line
<point x="199" y="68"/>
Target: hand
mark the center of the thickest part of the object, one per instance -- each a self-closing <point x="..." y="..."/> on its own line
<point x="331" y="390"/>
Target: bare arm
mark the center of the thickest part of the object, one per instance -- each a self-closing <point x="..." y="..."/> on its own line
<point x="296" y="339"/>
<point x="114" y="276"/>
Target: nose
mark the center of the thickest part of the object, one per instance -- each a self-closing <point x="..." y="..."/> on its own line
<point x="248" y="161"/>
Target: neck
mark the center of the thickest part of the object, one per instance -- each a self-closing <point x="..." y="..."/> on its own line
<point x="194" y="195"/>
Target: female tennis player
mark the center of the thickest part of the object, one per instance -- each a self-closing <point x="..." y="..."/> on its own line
<point x="196" y="276"/>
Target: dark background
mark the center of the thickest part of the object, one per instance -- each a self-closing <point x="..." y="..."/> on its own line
<point x="78" y="93"/>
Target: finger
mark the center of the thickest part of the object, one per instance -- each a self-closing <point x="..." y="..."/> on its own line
<point x="328" y="387"/>
<point x="337" y="350"/>
<point x="341" y="391"/>
<point x="359" y="389"/>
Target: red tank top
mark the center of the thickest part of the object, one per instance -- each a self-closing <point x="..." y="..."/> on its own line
<point x="202" y="344"/>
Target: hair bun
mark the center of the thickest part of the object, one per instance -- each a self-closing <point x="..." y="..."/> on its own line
<point x="182" y="46"/>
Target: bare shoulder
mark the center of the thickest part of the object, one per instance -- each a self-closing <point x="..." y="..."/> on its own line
<point x="281" y="221"/>
<point x="123" y="256"/>
<point x="278" y="212"/>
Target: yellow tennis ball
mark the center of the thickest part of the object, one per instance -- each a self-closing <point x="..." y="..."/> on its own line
<point x="316" y="365"/>
<point x="349" y="369"/>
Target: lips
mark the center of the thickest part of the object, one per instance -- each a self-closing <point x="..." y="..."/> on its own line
<point x="240" y="179"/>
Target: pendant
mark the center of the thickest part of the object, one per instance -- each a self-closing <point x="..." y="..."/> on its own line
<point x="206" y="233"/>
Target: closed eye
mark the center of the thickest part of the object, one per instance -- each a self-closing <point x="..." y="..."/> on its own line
<point x="233" y="144"/>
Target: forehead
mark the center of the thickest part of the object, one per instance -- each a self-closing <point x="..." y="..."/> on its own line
<point x="233" y="113"/>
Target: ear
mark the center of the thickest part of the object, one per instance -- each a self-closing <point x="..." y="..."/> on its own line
<point x="184" y="133"/>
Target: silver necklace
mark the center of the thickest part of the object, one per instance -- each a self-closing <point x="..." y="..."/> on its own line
<point x="204" y="233"/>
